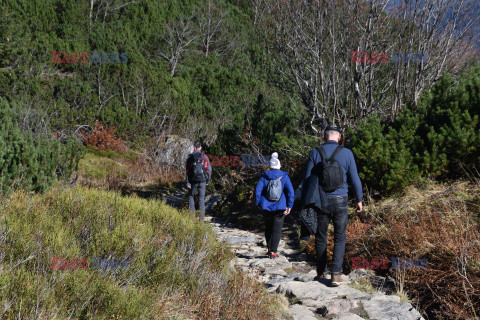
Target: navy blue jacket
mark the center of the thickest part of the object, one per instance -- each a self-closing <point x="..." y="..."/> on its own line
<point x="286" y="201"/>
<point x="347" y="163"/>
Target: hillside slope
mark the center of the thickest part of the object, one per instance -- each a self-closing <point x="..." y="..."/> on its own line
<point x="144" y="260"/>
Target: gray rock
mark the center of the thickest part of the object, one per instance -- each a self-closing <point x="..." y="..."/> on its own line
<point x="306" y="277"/>
<point x="349" y="316"/>
<point x="173" y="152"/>
<point x="388" y="310"/>
<point x="358" y="274"/>
<point x="211" y="200"/>
<point x="300" y="312"/>
<point x="277" y="281"/>
<point x="294" y="275"/>
<point x="315" y="290"/>
<point x="279" y="263"/>
<point x="240" y="239"/>
<point x="383" y="297"/>
<point x="275" y="271"/>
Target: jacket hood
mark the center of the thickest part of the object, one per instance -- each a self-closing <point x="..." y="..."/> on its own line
<point x="273" y="174"/>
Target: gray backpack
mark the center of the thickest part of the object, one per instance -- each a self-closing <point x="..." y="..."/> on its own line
<point x="274" y="190"/>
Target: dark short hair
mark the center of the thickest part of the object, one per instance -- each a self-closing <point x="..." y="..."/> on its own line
<point x="197" y="145"/>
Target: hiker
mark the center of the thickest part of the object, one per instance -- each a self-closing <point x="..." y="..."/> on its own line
<point x="199" y="172"/>
<point x="325" y="198"/>
<point x="274" y="196"/>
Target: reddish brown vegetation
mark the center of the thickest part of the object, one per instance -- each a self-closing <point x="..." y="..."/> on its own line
<point x="103" y="138"/>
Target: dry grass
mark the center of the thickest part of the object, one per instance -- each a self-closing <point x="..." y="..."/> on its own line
<point x="117" y="171"/>
<point x="440" y="223"/>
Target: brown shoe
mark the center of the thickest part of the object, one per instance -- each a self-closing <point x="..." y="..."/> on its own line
<point x="336" y="280"/>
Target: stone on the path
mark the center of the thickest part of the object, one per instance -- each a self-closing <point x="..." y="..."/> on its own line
<point x="232" y="240"/>
<point x="383" y="297"/>
<point x="278" y="263"/>
<point x="349" y="316"/>
<point x="275" y="271"/>
<point x="317" y="298"/>
<point x="307" y="277"/>
<point x="300" y="312"/>
<point x="390" y="311"/>
<point x="316" y="294"/>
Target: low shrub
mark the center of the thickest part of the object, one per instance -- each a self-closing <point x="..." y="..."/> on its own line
<point x="176" y="268"/>
<point x="32" y="162"/>
<point x="103" y="138"/>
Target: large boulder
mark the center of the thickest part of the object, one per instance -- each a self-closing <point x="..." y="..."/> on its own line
<point x="174" y="152"/>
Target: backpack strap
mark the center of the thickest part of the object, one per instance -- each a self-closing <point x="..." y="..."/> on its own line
<point x="334" y="154"/>
<point x="323" y="155"/>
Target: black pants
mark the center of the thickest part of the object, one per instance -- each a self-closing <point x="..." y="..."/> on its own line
<point x="337" y="211"/>
<point x="273" y="228"/>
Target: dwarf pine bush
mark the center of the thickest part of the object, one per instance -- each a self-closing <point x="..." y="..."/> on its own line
<point x="32" y="163"/>
<point x="438" y="138"/>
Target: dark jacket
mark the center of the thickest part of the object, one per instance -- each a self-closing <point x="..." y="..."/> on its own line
<point x="347" y="163"/>
<point x="287" y="199"/>
<point x="205" y="164"/>
<point x="313" y="198"/>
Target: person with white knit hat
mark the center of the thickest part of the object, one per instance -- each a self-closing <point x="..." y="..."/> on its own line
<point x="274" y="196"/>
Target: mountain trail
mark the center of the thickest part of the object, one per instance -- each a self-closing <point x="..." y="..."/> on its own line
<point x="309" y="299"/>
<point x="291" y="275"/>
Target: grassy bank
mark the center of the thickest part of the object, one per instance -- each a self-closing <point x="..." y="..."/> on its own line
<point x="175" y="267"/>
<point x="439" y="223"/>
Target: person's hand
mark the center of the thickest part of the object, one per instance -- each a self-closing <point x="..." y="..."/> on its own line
<point x="359" y="207"/>
<point x="287" y="211"/>
<point x="189" y="186"/>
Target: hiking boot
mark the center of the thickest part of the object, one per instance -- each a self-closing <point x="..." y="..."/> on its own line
<point x="321" y="277"/>
<point x="273" y="255"/>
<point x="336" y="280"/>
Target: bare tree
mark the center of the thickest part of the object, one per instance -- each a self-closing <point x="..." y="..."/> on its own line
<point x="334" y="56"/>
<point x="258" y="10"/>
<point x="442" y="29"/>
<point x="211" y="24"/>
<point x="104" y="7"/>
<point x="179" y="38"/>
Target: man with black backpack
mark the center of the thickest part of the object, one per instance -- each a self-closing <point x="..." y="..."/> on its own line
<point x="199" y="172"/>
<point x="326" y="174"/>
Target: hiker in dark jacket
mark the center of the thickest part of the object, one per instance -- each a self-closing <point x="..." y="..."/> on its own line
<point x="336" y="204"/>
<point x="274" y="211"/>
<point x="198" y="179"/>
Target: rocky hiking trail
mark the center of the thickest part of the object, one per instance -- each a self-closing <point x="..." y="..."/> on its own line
<point x="293" y="276"/>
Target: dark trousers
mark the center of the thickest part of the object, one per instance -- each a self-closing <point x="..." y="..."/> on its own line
<point x="201" y="198"/>
<point x="337" y="211"/>
<point x="273" y="228"/>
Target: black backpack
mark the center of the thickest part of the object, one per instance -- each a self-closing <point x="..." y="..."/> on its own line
<point x="331" y="177"/>
<point x="197" y="173"/>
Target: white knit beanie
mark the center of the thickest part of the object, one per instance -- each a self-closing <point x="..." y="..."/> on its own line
<point x="274" y="162"/>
